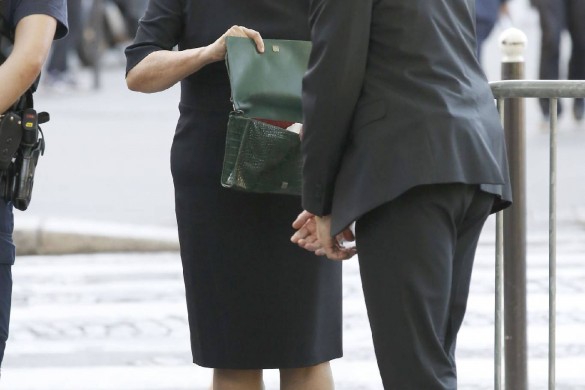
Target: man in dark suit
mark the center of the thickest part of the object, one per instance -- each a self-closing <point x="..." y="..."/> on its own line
<point x="401" y="135"/>
<point x="487" y="13"/>
<point x="557" y="16"/>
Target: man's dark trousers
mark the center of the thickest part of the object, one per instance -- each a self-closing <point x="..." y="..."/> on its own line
<point x="555" y="17"/>
<point x="7" y="254"/>
<point x="416" y="255"/>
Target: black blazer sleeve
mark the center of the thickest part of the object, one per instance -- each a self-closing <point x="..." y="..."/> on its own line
<point x="340" y="32"/>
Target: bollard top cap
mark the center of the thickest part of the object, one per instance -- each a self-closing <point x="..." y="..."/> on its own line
<point x="513" y="44"/>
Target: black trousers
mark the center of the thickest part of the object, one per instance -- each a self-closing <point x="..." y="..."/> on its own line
<point x="557" y="16"/>
<point x="5" y="300"/>
<point x="7" y="255"/>
<point x="416" y="255"/>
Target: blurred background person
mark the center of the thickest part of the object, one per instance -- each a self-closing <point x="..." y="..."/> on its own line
<point x="487" y="14"/>
<point x="557" y="16"/>
<point x="132" y="10"/>
<point x="94" y="30"/>
<point x="58" y="74"/>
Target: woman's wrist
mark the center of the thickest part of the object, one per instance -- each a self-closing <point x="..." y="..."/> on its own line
<point x="209" y="54"/>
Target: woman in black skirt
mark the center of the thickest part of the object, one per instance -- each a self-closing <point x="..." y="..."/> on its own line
<point x="254" y="300"/>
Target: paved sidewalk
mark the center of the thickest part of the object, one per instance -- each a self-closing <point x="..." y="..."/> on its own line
<point x="118" y="322"/>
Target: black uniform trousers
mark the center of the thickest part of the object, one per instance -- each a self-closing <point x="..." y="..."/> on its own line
<point x="5" y="300"/>
<point x="416" y="255"/>
<point x="7" y="255"/>
<point x="557" y="16"/>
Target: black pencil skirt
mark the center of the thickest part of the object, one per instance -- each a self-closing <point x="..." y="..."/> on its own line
<point x="254" y="299"/>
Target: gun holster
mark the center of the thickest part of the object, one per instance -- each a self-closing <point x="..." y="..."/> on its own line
<point x="10" y="137"/>
<point x="20" y="149"/>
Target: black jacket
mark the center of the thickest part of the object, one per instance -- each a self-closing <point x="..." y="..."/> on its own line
<point x="395" y="98"/>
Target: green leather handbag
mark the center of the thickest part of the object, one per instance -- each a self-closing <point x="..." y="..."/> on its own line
<point x="261" y="155"/>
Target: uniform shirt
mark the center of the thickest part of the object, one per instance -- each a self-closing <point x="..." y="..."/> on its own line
<point x="15" y="10"/>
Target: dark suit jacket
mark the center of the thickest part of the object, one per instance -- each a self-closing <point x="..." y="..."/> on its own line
<point x="395" y="98"/>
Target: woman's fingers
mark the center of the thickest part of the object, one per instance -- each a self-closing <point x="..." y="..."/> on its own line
<point x="217" y="50"/>
<point x="255" y="35"/>
<point x="240" y="31"/>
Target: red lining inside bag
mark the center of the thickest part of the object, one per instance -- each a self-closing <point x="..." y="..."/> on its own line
<point x="281" y="124"/>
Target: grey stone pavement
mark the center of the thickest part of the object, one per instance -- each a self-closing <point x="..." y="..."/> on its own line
<point x="118" y="320"/>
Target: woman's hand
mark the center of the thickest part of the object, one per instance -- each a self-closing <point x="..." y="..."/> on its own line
<point x="164" y="68"/>
<point x="217" y="49"/>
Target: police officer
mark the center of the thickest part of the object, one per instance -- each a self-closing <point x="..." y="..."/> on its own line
<point x="33" y="24"/>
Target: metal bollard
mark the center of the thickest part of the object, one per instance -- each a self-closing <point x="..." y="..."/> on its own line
<point x="513" y="43"/>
